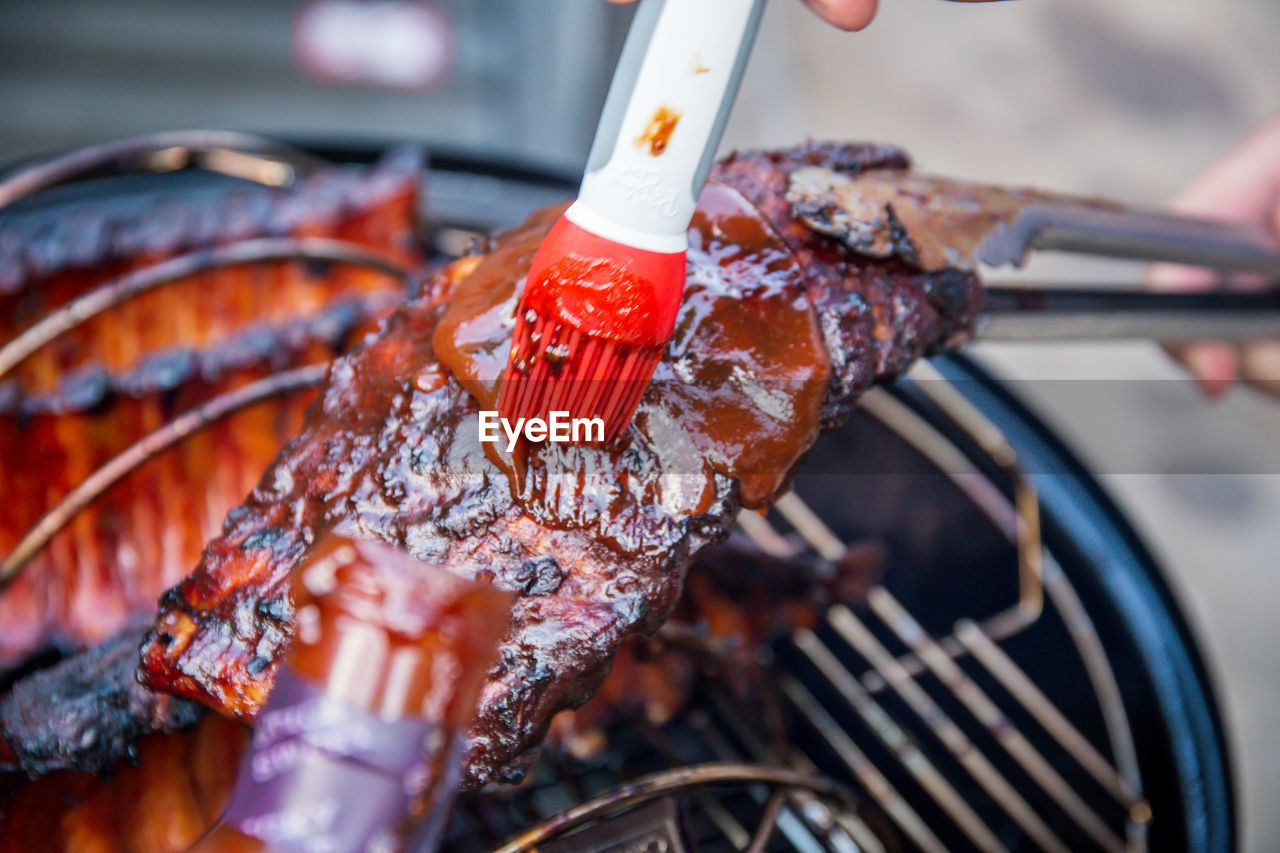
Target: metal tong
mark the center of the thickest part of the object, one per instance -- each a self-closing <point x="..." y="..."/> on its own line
<point x="937" y="224"/>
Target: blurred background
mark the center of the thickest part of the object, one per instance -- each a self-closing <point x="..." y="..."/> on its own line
<point x="1128" y="99"/>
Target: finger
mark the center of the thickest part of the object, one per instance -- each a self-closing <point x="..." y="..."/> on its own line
<point x="1214" y="365"/>
<point x="1242" y="187"/>
<point x="1173" y="278"/>
<point x="1260" y="366"/>
<point x="846" y="14"/>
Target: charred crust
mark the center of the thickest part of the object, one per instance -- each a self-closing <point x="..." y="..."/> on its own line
<point x="273" y="608"/>
<point x="900" y="242"/>
<point x="86" y="711"/>
<point x="540" y="576"/>
<point x="258" y="665"/>
<point x="93" y="387"/>
<point x="172" y="599"/>
<point x="264" y="539"/>
<point x="97" y="234"/>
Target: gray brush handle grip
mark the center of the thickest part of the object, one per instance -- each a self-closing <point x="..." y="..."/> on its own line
<point x="665" y="114"/>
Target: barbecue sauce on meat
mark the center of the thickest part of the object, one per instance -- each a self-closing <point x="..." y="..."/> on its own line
<point x="744" y="377"/>
<point x="364" y="721"/>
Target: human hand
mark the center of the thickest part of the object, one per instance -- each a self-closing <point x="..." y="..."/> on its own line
<point x="845" y="14"/>
<point x="1244" y="186"/>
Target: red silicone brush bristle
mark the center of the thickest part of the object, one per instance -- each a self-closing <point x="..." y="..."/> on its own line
<point x="592" y="324"/>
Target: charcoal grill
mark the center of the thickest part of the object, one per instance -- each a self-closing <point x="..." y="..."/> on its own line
<point x="1021" y="680"/>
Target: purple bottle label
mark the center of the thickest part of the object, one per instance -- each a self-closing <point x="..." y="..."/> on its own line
<point x="321" y="776"/>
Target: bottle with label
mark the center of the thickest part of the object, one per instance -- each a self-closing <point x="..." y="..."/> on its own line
<point x="362" y="731"/>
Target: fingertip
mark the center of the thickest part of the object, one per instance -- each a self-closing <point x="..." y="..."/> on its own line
<point x="1260" y="365"/>
<point x="1174" y="278"/>
<point x="1215" y="366"/>
<point x="848" y="15"/>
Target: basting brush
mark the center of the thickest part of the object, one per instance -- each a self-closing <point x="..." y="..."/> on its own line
<point x="601" y="298"/>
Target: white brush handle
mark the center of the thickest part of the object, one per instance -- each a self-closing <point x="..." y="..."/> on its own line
<point x="682" y="58"/>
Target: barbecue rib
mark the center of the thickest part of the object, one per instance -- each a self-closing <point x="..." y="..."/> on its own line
<point x="84" y="396"/>
<point x="780" y="330"/>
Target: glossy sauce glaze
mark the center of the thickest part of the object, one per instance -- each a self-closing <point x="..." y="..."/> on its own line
<point x="746" y="403"/>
